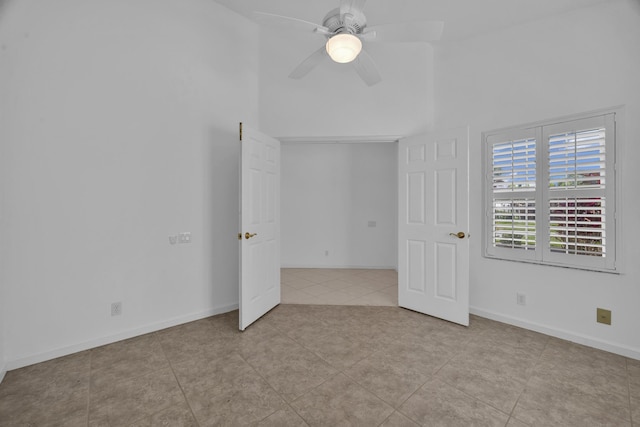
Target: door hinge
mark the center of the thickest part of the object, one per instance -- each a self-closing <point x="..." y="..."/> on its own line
<point x="240" y="131"/>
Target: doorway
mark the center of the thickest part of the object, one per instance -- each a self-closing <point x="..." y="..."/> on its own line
<point x="339" y="210"/>
<point x="432" y="201"/>
<point x="339" y="205"/>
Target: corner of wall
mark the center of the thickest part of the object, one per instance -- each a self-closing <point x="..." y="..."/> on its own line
<point x="3" y="361"/>
<point x="109" y="339"/>
<point x="556" y="332"/>
<point x="198" y="103"/>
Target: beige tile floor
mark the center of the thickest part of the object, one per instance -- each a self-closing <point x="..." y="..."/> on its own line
<point x="322" y="365"/>
<point x="339" y="286"/>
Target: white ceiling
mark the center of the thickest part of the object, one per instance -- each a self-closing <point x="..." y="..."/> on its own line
<point x="463" y="18"/>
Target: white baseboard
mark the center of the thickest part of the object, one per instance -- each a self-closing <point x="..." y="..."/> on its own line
<point x="358" y="267"/>
<point x="3" y="372"/>
<point x="622" y="350"/>
<point x="97" y="342"/>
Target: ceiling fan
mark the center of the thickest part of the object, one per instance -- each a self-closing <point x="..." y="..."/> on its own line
<point x="346" y="30"/>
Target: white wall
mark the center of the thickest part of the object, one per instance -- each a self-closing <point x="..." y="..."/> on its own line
<point x="119" y="128"/>
<point x="332" y="100"/>
<point x="3" y="299"/>
<point x="3" y="368"/>
<point x="329" y="194"/>
<point x="572" y="63"/>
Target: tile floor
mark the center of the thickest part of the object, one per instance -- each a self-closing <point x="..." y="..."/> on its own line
<point x="339" y="286"/>
<point x="321" y="365"/>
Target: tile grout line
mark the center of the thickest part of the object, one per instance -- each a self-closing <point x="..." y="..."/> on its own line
<point x="526" y="383"/>
<point x="626" y="366"/>
<point x="466" y="344"/>
<point x="155" y="338"/>
<point x="89" y="386"/>
<point x="432" y="377"/>
<point x="340" y="321"/>
<point x="338" y="372"/>
<point x="177" y="381"/>
<point x="287" y="403"/>
<point x="362" y="276"/>
<point x="343" y="372"/>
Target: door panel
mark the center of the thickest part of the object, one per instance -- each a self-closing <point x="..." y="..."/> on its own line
<point x="445" y="271"/>
<point x="445" y="186"/>
<point x="260" y="225"/>
<point x="416" y="201"/>
<point x="416" y="266"/>
<point x="433" y="262"/>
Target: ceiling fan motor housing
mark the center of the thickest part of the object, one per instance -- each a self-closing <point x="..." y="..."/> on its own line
<point x="350" y="23"/>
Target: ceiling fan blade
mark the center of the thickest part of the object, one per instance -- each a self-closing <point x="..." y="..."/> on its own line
<point x="426" y="31"/>
<point x="309" y="64"/>
<point x="348" y="6"/>
<point x="288" y="22"/>
<point x="367" y="69"/>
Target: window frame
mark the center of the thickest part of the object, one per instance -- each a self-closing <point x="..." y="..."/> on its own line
<point x="611" y="120"/>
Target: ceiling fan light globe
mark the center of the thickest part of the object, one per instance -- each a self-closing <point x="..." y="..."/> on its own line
<point x="344" y="48"/>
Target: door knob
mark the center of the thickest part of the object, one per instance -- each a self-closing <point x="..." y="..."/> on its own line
<point x="459" y="235"/>
<point x="248" y="235"/>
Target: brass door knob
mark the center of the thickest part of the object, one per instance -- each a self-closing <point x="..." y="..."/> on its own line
<point x="459" y="234"/>
<point x="248" y="235"/>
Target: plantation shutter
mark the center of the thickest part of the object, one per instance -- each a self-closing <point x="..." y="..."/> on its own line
<point x="579" y="202"/>
<point x="550" y="192"/>
<point x="512" y="176"/>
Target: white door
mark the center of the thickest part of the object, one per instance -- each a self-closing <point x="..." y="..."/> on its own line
<point x="259" y="235"/>
<point x="433" y="247"/>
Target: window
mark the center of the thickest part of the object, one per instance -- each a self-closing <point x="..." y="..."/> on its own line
<point x="550" y="192"/>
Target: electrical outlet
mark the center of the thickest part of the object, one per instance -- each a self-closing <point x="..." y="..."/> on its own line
<point x="604" y="316"/>
<point x="116" y="308"/>
<point x="521" y="299"/>
<point x="180" y="238"/>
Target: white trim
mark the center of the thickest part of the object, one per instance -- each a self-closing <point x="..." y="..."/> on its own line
<point x="622" y="350"/>
<point x="341" y="267"/>
<point x="131" y="333"/>
<point x="620" y="147"/>
<point x="3" y="372"/>
<point x="563" y="119"/>
<point x="376" y="139"/>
